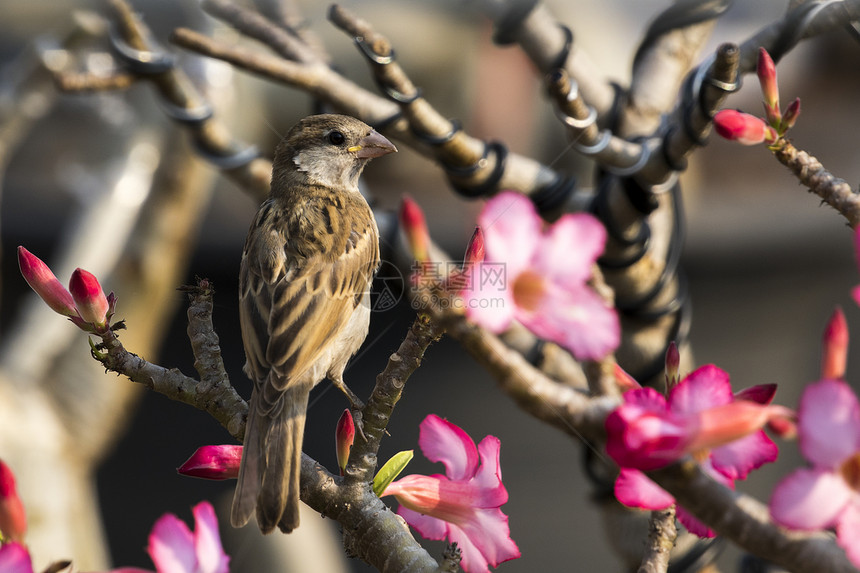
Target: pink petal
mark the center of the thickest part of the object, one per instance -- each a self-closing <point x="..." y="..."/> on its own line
<point x="442" y="441"/>
<point x="737" y="459"/>
<point x="829" y="423"/>
<point x="207" y="541"/>
<point x="648" y="399"/>
<point x="641" y="434"/>
<point x="761" y="394"/>
<point x="14" y="558"/>
<point x="692" y="524"/>
<point x="213" y="462"/>
<point x="512" y="231"/>
<point x="809" y="499"/>
<point x="855" y="294"/>
<point x="575" y="318"/>
<point x="488" y="532"/>
<point x="704" y="388"/>
<point x="13" y="517"/>
<point x="489" y="490"/>
<point x="848" y="532"/>
<point x="569" y="248"/>
<point x="486" y="304"/>
<point x="428" y="527"/>
<point x="634" y="489"/>
<point x="171" y="546"/>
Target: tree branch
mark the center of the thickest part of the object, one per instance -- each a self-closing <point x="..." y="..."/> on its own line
<point x="746" y="522"/>
<point x="811" y="173"/>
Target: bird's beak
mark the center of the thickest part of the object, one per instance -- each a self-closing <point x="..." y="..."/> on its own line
<point x="372" y="145"/>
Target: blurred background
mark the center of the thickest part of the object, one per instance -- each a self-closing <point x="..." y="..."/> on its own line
<point x="767" y="264"/>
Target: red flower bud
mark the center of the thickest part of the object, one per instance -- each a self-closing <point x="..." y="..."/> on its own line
<point x="344" y="436"/>
<point x="413" y="223"/>
<point x="766" y="71"/>
<point x="744" y="128"/>
<point x="213" y="462"/>
<point x="42" y="280"/>
<point x="834" y="347"/>
<point x="791" y="115"/>
<point x="13" y="519"/>
<point x="89" y="297"/>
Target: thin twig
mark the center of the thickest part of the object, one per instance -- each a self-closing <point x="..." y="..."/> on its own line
<point x="811" y="173"/>
<point x="386" y="393"/>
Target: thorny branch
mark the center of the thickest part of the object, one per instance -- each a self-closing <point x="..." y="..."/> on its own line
<point x="810" y="172"/>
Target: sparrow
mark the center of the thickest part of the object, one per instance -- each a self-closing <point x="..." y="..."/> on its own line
<point x="304" y="301"/>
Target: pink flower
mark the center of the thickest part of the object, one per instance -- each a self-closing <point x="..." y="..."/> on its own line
<point x="702" y="418"/>
<point x="89" y="297"/>
<point x="14" y="558"/>
<point x="175" y="549"/>
<point x="213" y="462"/>
<point x="744" y="128"/>
<point x="826" y="495"/>
<point x="42" y="280"/>
<point x="13" y="519"/>
<point x="463" y="505"/>
<point x="538" y="277"/>
<point x="344" y="436"/>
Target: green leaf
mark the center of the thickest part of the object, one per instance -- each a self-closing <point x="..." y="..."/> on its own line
<point x="391" y="470"/>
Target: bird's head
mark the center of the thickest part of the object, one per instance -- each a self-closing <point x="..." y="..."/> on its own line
<point x="329" y="150"/>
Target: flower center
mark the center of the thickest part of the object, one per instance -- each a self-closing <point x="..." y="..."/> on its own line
<point x="850" y="471"/>
<point x="529" y="288"/>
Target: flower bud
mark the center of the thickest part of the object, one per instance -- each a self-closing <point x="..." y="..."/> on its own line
<point x="344" y="436"/>
<point x="766" y="71"/>
<point x="744" y="128"/>
<point x="414" y="225"/>
<point x="673" y="364"/>
<point x="461" y="279"/>
<point x="42" y="280"/>
<point x="13" y="519"/>
<point x="213" y="462"/>
<point x="475" y="250"/>
<point x="89" y="297"/>
<point x="834" y="347"/>
<point x="791" y="114"/>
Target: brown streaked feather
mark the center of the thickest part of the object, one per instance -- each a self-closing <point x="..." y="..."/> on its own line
<point x="295" y="303"/>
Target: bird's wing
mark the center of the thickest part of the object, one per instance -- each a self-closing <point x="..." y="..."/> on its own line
<point x="292" y="306"/>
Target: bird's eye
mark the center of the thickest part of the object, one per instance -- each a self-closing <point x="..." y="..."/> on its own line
<point x="336" y="138"/>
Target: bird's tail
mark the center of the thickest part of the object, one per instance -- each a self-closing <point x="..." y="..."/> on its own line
<point x="271" y="462"/>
